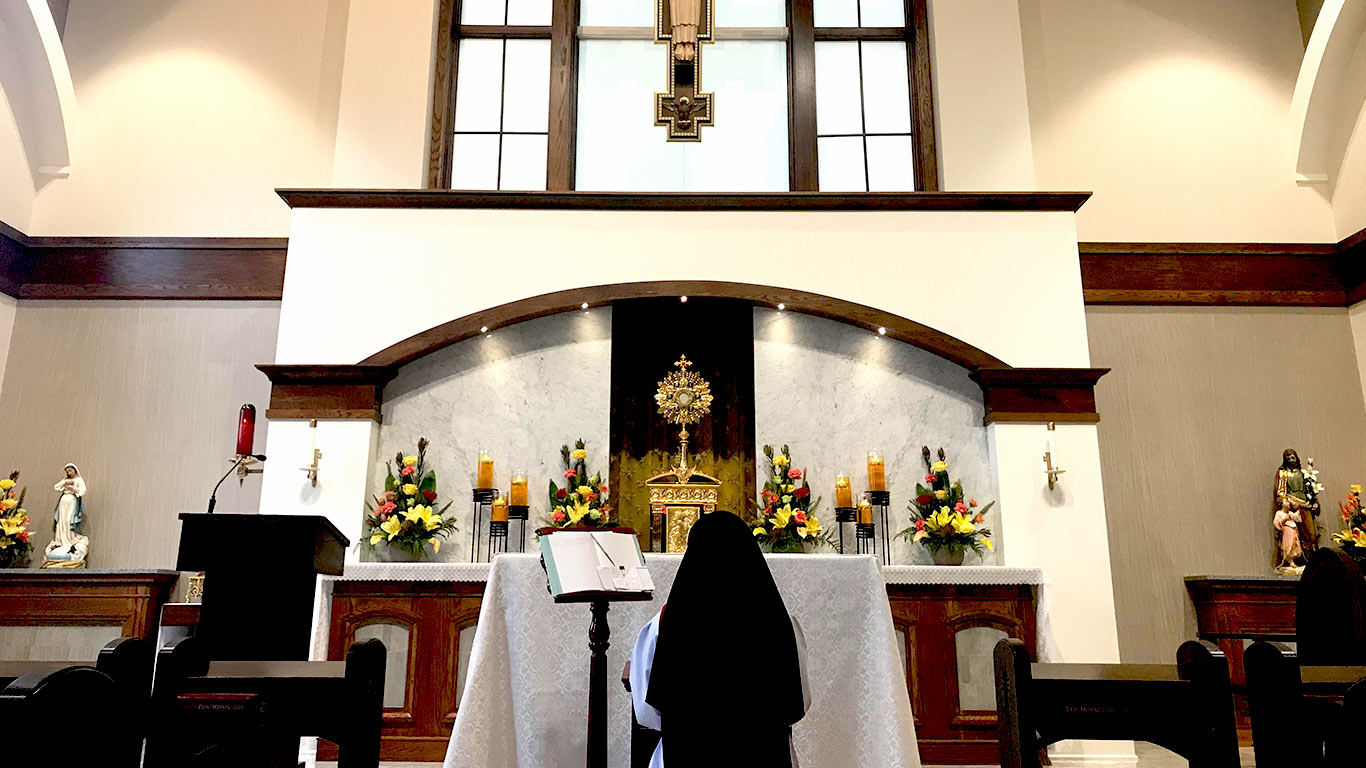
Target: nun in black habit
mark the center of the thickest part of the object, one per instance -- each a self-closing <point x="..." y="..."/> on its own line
<point x="720" y="671"/>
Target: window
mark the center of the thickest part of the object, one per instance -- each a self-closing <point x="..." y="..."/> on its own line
<point x="556" y="94"/>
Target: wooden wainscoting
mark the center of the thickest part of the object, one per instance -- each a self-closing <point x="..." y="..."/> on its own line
<point x="954" y="705"/>
<point x="432" y="613"/>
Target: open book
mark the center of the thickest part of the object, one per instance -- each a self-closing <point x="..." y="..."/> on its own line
<point x="583" y="561"/>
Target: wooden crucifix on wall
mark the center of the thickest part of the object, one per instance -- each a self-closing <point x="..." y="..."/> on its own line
<point x="684" y="108"/>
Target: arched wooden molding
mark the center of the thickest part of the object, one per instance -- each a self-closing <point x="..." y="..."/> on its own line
<point x="1009" y="394"/>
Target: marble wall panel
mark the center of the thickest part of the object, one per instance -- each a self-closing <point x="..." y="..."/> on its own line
<point x="521" y="392"/>
<point x="833" y="392"/>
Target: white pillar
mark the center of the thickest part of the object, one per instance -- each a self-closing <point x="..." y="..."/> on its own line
<point x="344" y="472"/>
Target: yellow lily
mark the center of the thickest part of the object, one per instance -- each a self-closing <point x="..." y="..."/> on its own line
<point x="987" y="542"/>
<point x="760" y="530"/>
<point x="782" y="516"/>
<point x="813" y="526"/>
<point x="392" y="526"/>
<point x="577" y="512"/>
<point x="375" y="538"/>
<point x="436" y="545"/>
<point x="963" y="525"/>
<point x="11" y="525"/>
<point x="9" y="503"/>
<point x="422" y="514"/>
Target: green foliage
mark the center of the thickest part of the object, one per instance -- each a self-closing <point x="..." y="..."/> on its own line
<point x="787" y="517"/>
<point x="942" y="517"/>
<point x="584" y="500"/>
<point x="408" y="521"/>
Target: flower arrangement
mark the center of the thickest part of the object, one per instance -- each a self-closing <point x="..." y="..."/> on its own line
<point x="941" y="518"/>
<point x="14" y="533"/>
<point x="788" y="517"/>
<point x="583" y="501"/>
<point x="1353" y="538"/>
<point x="403" y="517"/>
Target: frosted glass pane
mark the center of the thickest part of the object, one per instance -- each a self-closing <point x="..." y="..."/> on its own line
<point x="891" y="164"/>
<point x="474" y="161"/>
<point x="837" y="89"/>
<point x="617" y="13"/>
<point x="526" y="95"/>
<point x="751" y="13"/>
<point x="976" y="670"/>
<point x="523" y="162"/>
<point x="835" y="13"/>
<point x="886" y="88"/>
<point x="881" y="13"/>
<point x="901" y="646"/>
<point x="841" y="164"/>
<point x="395" y="639"/>
<point x="462" y="662"/>
<point x="482" y="11"/>
<point x="479" y="85"/>
<point x="620" y="147"/>
<point x="532" y="13"/>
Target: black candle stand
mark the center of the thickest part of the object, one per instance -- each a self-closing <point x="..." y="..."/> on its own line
<point x="843" y="517"/>
<point x="883" y="501"/>
<point x="498" y="537"/>
<point x="520" y="514"/>
<point x="483" y="497"/>
<point x="864" y="537"/>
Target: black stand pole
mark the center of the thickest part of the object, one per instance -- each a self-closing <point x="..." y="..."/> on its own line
<point x="599" y="633"/>
<point x="483" y="497"/>
<point x="843" y="517"/>
<point x="883" y="501"/>
<point x="519" y="513"/>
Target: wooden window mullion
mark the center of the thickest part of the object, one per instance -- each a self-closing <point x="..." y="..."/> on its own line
<point x="923" y="141"/>
<point x="803" y="171"/>
<point x="564" y="80"/>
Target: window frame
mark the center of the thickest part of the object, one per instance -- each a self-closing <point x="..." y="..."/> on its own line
<point x="562" y="139"/>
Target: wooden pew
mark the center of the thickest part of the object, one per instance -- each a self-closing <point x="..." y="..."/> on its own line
<point x="245" y="714"/>
<point x="1330" y="611"/>
<point x="1186" y="708"/>
<point x="104" y="704"/>
<point x="1303" y="716"/>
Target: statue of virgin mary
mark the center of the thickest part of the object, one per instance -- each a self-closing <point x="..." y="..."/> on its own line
<point x="69" y="547"/>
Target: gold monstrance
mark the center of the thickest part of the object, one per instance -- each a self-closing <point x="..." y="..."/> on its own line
<point x="682" y="494"/>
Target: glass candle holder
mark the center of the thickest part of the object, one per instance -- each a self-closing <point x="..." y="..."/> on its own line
<point x="500" y="510"/>
<point x="865" y="510"/>
<point x="517" y="496"/>
<point x="877" y="472"/>
<point x="483" y="479"/>
<point x="844" y="492"/>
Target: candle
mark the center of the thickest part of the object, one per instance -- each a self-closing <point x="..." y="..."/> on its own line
<point x="844" y="494"/>
<point x="877" y="472"/>
<point x="500" y="510"/>
<point x="484" y="478"/>
<point x="246" y="429"/>
<point x="518" y="496"/>
<point x="865" y="511"/>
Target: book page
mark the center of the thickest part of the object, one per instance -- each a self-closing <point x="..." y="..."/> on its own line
<point x="576" y="560"/>
<point x="598" y="561"/>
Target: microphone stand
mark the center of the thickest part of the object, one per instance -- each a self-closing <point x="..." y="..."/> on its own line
<point x="213" y="497"/>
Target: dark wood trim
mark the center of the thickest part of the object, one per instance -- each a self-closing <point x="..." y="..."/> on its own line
<point x="326" y="391"/>
<point x="803" y="169"/>
<point x="14" y="259"/>
<point x="1039" y="394"/>
<point x="443" y="96"/>
<point x="503" y="32"/>
<point x="1352" y="266"/>
<point x="69" y="597"/>
<point x="871" y="319"/>
<point x="925" y="140"/>
<point x="893" y="34"/>
<point x="684" y="201"/>
<point x="562" y="141"/>
<point x="1248" y="274"/>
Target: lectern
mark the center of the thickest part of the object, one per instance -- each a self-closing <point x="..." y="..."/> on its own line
<point x="260" y="575"/>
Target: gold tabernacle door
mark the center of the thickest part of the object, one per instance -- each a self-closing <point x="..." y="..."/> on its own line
<point x="679" y="502"/>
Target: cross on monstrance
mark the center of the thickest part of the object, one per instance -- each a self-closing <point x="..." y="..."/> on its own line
<point x="683" y="109"/>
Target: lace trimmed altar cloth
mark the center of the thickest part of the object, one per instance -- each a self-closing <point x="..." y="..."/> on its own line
<point x="526" y="696"/>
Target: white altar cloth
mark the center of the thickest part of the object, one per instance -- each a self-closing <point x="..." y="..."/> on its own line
<point x="526" y="696"/>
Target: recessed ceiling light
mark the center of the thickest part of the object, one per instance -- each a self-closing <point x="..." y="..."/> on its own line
<point x="781" y="307"/>
<point x="484" y="329"/>
<point x="683" y="299"/>
<point x="882" y="331"/>
<point x="583" y="305"/>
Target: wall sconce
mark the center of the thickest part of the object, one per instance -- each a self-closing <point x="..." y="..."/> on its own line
<point x="1049" y="469"/>
<point x="312" y="469"/>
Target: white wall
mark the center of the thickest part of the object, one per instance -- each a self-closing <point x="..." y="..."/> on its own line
<point x="16" y="182"/>
<point x="1175" y="113"/>
<point x="1349" y="183"/>
<point x="193" y="111"/>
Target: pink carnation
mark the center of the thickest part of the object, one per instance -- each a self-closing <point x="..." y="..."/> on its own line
<point x="558" y="517"/>
<point x="568" y="473"/>
<point x="406" y="471"/>
<point x="794" y="474"/>
<point x="800" y="517"/>
<point x="386" y="508"/>
<point x="929" y="478"/>
<point x="960" y="507"/>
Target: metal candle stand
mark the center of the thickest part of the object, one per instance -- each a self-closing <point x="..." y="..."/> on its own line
<point x="844" y="516"/>
<point x="483" y="497"/>
<point x="883" y="501"/>
<point x="498" y="537"/>
<point x="520" y="514"/>
<point x="864" y="538"/>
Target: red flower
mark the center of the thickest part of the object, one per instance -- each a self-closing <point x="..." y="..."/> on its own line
<point x="388" y="495"/>
<point x="920" y="525"/>
<point x="568" y="473"/>
<point x="929" y="478"/>
<point x="923" y="499"/>
<point x="802" y="492"/>
<point x="603" y="488"/>
<point x="972" y="502"/>
<point x="794" y="474"/>
<point x="23" y="535"/>
<point x="960" y="507"/>
<point x="385" y="508"/>
<point x="406" y="471"/>
<point x="430" y="496"/>
<point x="977" y="519"/>
<point x="800" y="517"/>
<point x="558" y="517"/>
<point x="560" y="494"/>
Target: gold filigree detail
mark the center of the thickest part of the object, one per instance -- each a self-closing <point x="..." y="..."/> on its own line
<point x="683" y="396"/>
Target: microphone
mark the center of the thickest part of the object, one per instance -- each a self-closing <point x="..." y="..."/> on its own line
<point x="213" y="497"/>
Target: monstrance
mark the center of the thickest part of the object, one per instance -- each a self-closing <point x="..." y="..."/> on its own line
<point x="681" y="495"/>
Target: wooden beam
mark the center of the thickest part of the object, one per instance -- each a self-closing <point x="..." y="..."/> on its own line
<point x="326" y="391"/>
<point x="1246" y="274"/>
<point x="1039" y="394"/>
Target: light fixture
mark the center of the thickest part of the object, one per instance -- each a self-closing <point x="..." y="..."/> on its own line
<point x="583" y="305"/>
<point x="882" y="331"/>
<point x="683" y="299"/>
<point x="781" y="307"/>
<point x="484" y="329"/>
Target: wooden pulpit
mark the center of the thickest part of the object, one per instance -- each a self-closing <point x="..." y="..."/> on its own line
<point x="260" y="576"/>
